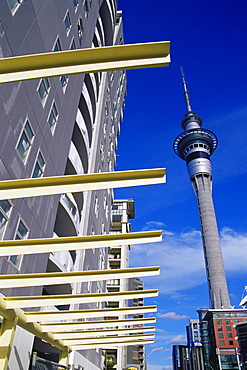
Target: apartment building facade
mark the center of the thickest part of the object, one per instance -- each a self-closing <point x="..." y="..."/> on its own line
<point x="58" y="126"/>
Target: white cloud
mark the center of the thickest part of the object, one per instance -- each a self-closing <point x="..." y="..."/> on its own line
<point x="178" y="339"/>
<point x="171" y="316"/>
<point x="180" y="257"/>
<point x="160" y="331"/>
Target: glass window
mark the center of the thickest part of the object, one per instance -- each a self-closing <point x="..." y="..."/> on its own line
<point x="220" y="335"/>
<point x="5" y="210"/>
<point x="76" y="3"/>
<point x="86" y="7"/>
<point x="219" y="328"/>
<point x="21" y="233"/>
<point x="219" y="322"/>
<point x="228" y="328"/>
<point x="229" y="335"/>
<point x="80" y="27"/>
<point x="57" y="46"/>
<point x="25" y="141"/>
<point x="53" y="117"/>
<point x="67" y="22"/>
<point x="72" y="45"/>
<point x="222" y="342"/>
<point x="43" y="89"/>
<point x="230" y="342"/>
<point x="64" y="81"/>
<point x="39" y="167"/>
<point x="227" y="322"/>
<point x="14" y="5"/>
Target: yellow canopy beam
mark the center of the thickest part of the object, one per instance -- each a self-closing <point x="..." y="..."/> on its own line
<point x="34" y="187"/>
<point x="32" y="327"/>
<point x="116" y="338"/>
<point x="154" y="54"/>
<point x="31" y="246"/>
<point x="46" y="316"/>
<point x="82" y="325"/>
<point x="54" y="300"/>
<point x="56" y="278"/>
<point x="100" y="333"/>
<point x="111" y="345"/>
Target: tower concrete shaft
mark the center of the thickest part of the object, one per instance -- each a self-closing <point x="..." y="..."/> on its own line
<point x="218" y="290"/>
<point x="195" y="145"/>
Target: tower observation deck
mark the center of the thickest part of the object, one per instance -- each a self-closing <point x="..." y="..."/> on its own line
<point x="195" y="145"/>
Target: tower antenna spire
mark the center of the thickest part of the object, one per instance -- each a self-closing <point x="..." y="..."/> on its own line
<point x="186" y="91"/>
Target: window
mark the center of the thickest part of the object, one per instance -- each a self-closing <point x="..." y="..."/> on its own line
<point x="67" y="22"/>
<point x="53" y="117"/>
<point x="76" y="4"/>
<point x="219" y="328"/>
<point x="219" y="322"/>
<point x="86" y="7"/>
<point x="227" y="322"/>
<point x="21" y="233"/>
<point x="25" y="141"/>
<point x="57" y="46"/>
<point x="229" y="335"/>
<point x="43" y="89"/>
<point x="222" y="342"/>
<point x="39" y="167"/>
<point x="14" y="5"/>
<point x="228" y="328"/>
<point x="80" y="27"/>
<point x="230" y="342"/>
<point x="72" y="45"/>
<point x="220" y="335"/>
<point x="64" y="82"/>
<point x="5" y="210"/>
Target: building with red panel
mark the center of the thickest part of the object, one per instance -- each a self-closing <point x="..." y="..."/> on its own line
<point x="218" y="336"/>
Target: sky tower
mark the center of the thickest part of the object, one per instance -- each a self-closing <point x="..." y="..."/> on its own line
<point x="195" y="145"/>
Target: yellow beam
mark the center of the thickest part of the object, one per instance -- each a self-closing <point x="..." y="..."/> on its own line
<point x="31" y="246"/>
<point x="105" y="340"/>
<point x="34" y="187"/>
<point x="101" y="333"/>
<point x="111" y="345"/>
<point x="33" y="327"/>
<point x="46" y="316"/>
<point x="56" y="278"/>
<point x="155" y="54"/>
<point x="82" y="325"/>
<point x="54" y="300"/>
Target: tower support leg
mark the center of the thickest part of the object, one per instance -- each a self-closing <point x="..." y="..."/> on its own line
<point x="7" y="334"/>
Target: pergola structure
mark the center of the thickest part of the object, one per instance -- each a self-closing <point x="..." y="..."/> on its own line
<point x="75" y="334"/>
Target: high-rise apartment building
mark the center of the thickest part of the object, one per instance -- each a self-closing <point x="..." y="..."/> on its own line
<point x="58" y="126"/>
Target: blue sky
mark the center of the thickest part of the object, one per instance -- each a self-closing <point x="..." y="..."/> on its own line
<point x="208" y="38"/>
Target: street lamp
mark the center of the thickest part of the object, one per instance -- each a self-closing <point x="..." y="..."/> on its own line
<point x="153" y="350"/>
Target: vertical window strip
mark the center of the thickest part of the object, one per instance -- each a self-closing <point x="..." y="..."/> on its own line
<point x="39" y="167"/>
<point x="53" y="117"/>
<point x="25" y="141"/>
<point x="21" y="233"/>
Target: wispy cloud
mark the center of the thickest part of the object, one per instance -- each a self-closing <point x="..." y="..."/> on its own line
<point x="171" y="316"/>
<point x="181" y="257"/>
<point x="157" y="330"/>
<point x="178" y="339"/>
